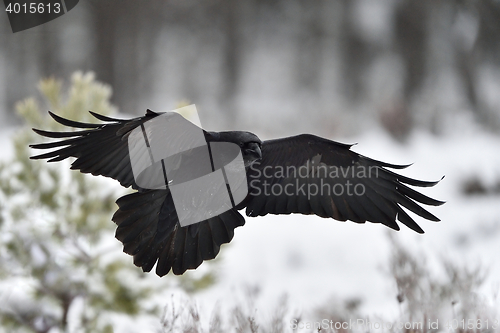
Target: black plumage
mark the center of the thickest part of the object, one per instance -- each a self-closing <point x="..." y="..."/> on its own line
<point x="148" y="225"/>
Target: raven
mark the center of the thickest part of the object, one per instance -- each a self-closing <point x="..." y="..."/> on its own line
<point x="302" y="174"/>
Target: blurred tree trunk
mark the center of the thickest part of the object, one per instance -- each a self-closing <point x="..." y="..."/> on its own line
<point x="310" y="46"/>
<point x="48" y="50"/>
<point x="231" y="58"/>
<point x="486" y="51"/>
<point x="105" y="18"/>
<point x="125" y="34"/>
<point x="355" y="55"/>
<point x="128" y="77"/>
<point x="411" y="42"/>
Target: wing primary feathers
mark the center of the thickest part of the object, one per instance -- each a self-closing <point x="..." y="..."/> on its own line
<point x="71" y="123"/>
<point x="408" y="221"/>
<point x="105" y="118"/>
<point x="406" y="202"/>
<point x="382" y="211"/>
<point x="407" y="180"/>
<point x="417" y="196"/>
<point x="55" y="144"/>
<point x="403" y="200"/>
<point x="394" y="185"/>
<point x="151" y="113"/>
<point x="387" y="165"/>
<point x="56" y="135"/>
<point x="100" y="149"/>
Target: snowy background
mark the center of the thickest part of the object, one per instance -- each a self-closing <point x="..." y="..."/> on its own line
<point x="410" y="82"/>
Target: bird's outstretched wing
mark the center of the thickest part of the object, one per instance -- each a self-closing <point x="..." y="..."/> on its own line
<point x="100" y="149"/>
<point x="310" y="175"/>
<point x="148" y="225"/>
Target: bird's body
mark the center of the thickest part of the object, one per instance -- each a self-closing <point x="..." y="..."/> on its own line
<point x="303" y="174"/>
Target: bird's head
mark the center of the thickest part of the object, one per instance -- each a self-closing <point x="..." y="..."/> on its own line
<point x="249" y="143"/>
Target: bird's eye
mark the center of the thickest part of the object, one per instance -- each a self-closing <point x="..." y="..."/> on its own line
<point x="241" y="144"/>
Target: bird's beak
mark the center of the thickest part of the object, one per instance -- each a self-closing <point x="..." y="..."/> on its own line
<point x="254" y="149"/>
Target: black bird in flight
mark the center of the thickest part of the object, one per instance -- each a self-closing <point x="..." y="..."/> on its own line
<point x="302" y="174"/>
